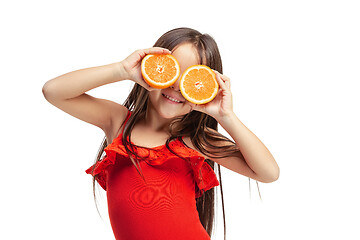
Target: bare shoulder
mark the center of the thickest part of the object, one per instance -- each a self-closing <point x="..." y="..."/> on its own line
<point x="189" y="144"/>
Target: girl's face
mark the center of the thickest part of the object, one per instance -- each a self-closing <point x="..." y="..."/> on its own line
<point x="187" y="56"/>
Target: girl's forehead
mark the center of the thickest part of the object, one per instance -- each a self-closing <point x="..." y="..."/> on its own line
<point x="186" y="54"/>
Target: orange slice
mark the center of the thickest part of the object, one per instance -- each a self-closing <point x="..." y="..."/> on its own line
<point x="160" y="70"/>
<point x="198" y="84"/>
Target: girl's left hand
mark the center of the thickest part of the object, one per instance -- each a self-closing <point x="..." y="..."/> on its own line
<point x="222" y="104"/>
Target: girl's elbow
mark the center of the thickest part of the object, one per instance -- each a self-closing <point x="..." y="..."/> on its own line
<point x="275" y="176"/>
<point x="272" y="178"/>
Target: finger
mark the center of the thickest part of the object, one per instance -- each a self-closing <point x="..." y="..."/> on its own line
<point x="157" y="50"/>
<point x="192" y="105"/>
<point x="225" y="79"/>
<point x="149" y="88"/>
<point x="227" y="82"/>
<point x="220" y="80"/>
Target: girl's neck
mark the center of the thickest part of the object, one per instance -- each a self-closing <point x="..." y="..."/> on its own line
<point x="154" y="122"/>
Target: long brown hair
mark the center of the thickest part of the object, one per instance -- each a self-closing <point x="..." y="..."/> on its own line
<point x="196" y="125"/>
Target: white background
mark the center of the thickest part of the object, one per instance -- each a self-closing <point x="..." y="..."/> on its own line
<point x="294" y="70"/>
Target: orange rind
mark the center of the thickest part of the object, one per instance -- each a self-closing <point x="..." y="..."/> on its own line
<point x="160" y="70"/>
<point x="198" y="84"/>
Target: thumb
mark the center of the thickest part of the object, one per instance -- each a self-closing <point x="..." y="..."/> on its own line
<point x="192" y="105"/>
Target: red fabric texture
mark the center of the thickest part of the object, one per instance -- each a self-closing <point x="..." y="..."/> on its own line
<point x="163" y="207"/>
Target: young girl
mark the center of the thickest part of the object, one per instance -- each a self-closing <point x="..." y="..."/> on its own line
<point x="158" y="168"/>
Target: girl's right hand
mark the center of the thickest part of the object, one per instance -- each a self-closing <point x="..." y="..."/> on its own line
<point x="132" y="64"/>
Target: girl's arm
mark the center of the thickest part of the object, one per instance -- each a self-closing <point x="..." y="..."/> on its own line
<point x="254" y="159"/>
<point x="75" y="83"/>
<point x="67" y="92"/>
<point x="254" y="152"/>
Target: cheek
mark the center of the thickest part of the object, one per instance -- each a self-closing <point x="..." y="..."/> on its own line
<point x="154" y="96"/>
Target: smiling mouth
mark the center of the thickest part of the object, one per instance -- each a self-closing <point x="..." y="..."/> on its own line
<point x="171" y="99"/>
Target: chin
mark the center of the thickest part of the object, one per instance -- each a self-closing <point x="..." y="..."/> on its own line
<point x="170" y="113"/>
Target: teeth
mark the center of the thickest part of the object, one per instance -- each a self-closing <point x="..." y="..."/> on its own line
<point x="172" y="99"/>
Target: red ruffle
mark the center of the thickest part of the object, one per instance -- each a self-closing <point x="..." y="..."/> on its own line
<point x="204" y="175"/>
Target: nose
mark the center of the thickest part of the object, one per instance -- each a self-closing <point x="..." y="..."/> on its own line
<point x="175" y="86"/>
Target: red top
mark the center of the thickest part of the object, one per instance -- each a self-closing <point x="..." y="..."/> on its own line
<point x="165" y="206"/>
